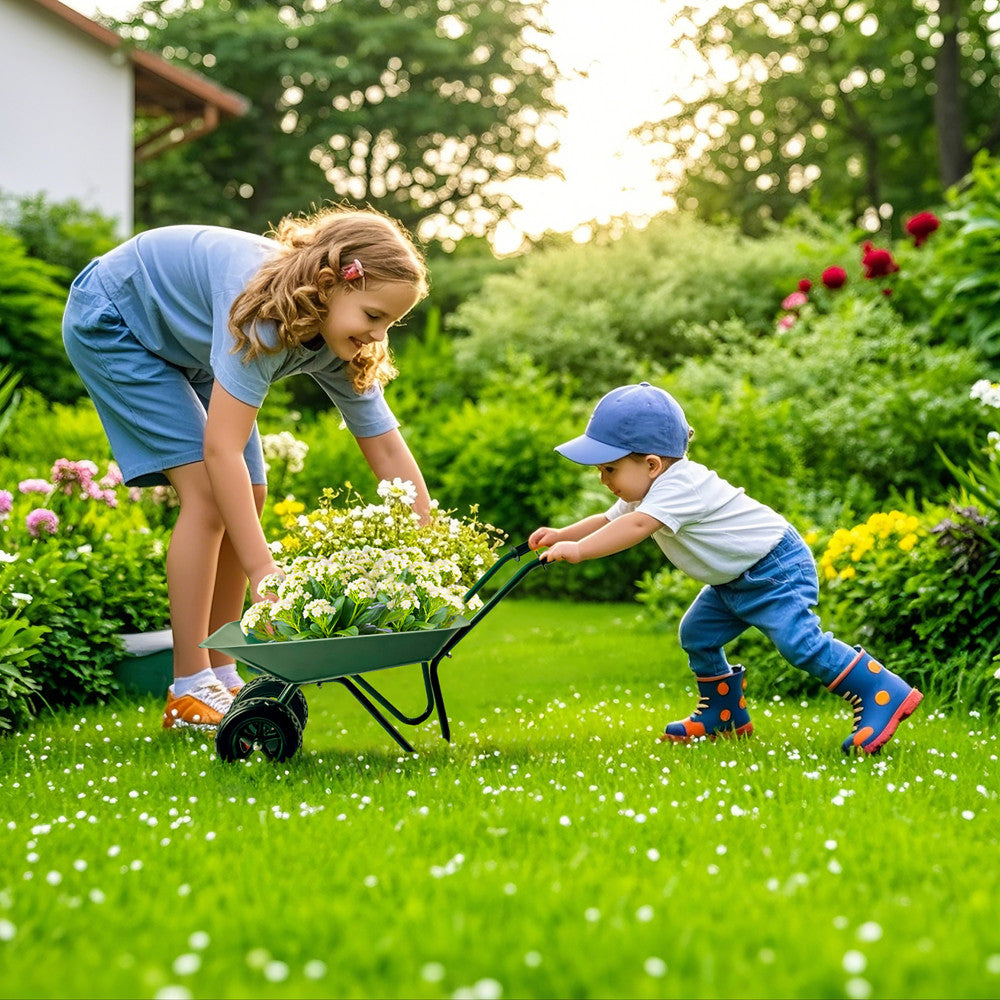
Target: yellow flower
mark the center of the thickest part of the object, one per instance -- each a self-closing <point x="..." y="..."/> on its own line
<point x="847" y="572"/>
<point x="908" y="541"/>
<point x="288" y="506"/>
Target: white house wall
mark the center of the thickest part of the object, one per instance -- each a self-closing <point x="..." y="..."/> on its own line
<point x="66" y="112"/>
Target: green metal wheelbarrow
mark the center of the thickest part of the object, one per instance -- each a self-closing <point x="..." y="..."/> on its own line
<point x="270" y="711"/>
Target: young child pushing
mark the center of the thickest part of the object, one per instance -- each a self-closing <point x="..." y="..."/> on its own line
<point x="178" y="334"/>
<point x="756" y="568"/>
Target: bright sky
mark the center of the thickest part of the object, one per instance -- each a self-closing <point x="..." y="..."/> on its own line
<point x="619" y="73"/>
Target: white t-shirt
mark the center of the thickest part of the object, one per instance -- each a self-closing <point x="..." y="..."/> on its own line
<point x="711" y="529"/>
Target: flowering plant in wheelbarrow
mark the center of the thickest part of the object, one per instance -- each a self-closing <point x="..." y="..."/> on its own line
<point x="364" y="569"/>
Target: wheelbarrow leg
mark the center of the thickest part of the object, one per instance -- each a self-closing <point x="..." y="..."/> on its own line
<point x="434" y="683"/>
<point x="370" y="708"/>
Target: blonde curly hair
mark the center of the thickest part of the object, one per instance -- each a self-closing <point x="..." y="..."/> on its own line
<point x="293" y="289"/>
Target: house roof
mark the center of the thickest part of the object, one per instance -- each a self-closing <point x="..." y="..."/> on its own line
<point x="190" y="102"/>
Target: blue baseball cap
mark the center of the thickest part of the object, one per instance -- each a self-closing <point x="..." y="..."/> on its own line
<point x="633" y="418"/>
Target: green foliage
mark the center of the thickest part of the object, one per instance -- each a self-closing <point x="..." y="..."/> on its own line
<point x="9" y="399"/>
<point x="31" y="306"/>
<point x="61" y="233"/>
<point x="840" y="409"/>
<point x="17" y="686"/>
<point x="40" y="428"/>
<point x="848" y="107"/>
<point x="956" y="287"/>
<point x="417" y="110"/>
<point x="82" y="565"/>
<point x="601" y="316"/>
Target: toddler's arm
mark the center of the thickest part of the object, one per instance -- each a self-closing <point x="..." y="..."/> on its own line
<point x="544" y="536"/>
<point x="614" y="536"/>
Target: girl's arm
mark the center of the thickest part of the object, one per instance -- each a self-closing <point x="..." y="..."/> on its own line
<point x="389" y="456"/>
<point x="615" y="536"/>
<point x="545" y="536"/>
<point x="230" y="423"/>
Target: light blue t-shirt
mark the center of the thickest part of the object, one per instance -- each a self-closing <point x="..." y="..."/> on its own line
<point x="174" y="287"/>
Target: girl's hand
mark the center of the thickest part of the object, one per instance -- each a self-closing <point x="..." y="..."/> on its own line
<point x="268" y="580"/>
<point x="542" y="537"/>
<point x="562" y="552"/>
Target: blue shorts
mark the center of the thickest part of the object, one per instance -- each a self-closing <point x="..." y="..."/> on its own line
<point x="153" y="412"/>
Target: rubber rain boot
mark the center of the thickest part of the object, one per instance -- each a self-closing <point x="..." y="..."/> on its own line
<point x="721" y="711"/>
<point x="880" y="699"/>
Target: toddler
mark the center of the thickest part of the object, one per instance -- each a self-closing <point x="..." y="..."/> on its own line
<point x="756" y="568"/>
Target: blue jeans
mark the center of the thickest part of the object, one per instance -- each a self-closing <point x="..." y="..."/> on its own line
<point x="777" y="595"/>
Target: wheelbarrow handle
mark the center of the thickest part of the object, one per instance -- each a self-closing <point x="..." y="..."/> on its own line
<point x="516" y="552"/>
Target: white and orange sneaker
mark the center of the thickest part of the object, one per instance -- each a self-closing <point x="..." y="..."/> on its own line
<point x="201" y="708"/>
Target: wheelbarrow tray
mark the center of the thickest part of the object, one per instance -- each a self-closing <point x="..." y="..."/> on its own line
<point x="309" y="661"/>
<point x="266" y="718"/>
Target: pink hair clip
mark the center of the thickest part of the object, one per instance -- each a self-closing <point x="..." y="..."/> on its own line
<point x="353" y="271"/>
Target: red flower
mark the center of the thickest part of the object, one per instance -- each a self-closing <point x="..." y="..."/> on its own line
<point x="877" y="262"/>
<point x="805" y="284"/>
<point x="921" y="226"/>
<point x="834" y="277"/>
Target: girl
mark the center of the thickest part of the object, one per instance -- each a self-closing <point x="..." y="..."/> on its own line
<point x="177" y="335"/>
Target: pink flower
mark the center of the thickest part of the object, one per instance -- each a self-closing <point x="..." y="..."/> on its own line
<point x="42" y="486"/>
<point x="113" y="477"/>
<point x="795" y="301"/>
<point x="834" y="277"/>
<point x="65" y="473"/>
<point x="41" y="519"/>
<point x="805" y="285"/>
<point x="877" y="262"/>
<point x="921" y="226"/>
<point x="6" y="502"/>
<point x="786" y="322"/>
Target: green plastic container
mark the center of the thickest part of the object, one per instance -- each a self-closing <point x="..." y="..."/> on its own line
<point x="148" y="664"/>
<point x="308" y="661"/>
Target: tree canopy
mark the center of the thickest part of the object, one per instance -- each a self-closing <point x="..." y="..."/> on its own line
<point x="421" y="108"/>
<point x="870" y="107"/>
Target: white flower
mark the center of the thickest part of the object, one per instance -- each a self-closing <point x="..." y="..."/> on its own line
<point x="987" y="392"/>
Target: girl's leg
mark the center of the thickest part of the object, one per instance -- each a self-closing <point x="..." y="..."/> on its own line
<point x="192" y="566"/>
<point x="230" y="587"/>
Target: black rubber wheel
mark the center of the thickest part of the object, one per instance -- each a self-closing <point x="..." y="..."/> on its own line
<point x="265" y="686"/>
<point x="258" y="724"/>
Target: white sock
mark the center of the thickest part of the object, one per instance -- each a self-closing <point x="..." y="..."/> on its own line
<point x="184" y="685"/>
<point x="228" y="676"/>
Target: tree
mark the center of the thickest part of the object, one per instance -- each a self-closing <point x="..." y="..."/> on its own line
<point x="871" y="108"/>
<point x="417" y="107"/>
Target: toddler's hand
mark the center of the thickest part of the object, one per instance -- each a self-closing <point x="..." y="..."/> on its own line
<point x="542" y="537"/>
<point x="562" y="552"/>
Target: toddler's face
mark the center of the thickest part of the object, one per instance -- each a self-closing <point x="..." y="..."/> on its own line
<point x="363" y="316"/>
<point x="629" y="478"/>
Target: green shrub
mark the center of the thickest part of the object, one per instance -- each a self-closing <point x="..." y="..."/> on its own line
<point x="839" y="410"/>
<point x="63" y="233"/>
<point x="17" y="686"/>
<point x="41" y="428"/>
<point x="80" y="562"/>
<point x="32" y="296"/>
<point x="600" y="316"/>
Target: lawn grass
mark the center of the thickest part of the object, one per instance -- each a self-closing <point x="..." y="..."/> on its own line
<point x="553" y="849"/>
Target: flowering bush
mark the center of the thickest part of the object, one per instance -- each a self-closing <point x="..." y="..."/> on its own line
<point x="877" y="264"/>
<point x="78" y="565"/>
<point x="359" y="569"/>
